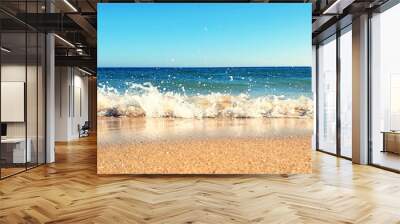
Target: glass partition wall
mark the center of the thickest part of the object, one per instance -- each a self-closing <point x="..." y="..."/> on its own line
<point x="334" y="93"/>
<point x="345" y="61"/>
<point x="385" y="89"/>
<point x="327" y="95"/>
<point x="22" y="78"/>
<point x="13" y="89"/>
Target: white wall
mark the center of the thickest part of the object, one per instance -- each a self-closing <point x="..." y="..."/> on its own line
<point x="80" y="110"/>
<point x="14" y="72"/>
<point x="33" y="127"/>
<point x="61" y="103"/>
<point x="70" y="84"/>
<point x="17" y="72"/>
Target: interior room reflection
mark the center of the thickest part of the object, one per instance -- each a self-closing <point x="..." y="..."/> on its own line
<point x="22" y="101"/>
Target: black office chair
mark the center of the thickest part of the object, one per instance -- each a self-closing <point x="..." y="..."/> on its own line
<point x="84" y="130"/>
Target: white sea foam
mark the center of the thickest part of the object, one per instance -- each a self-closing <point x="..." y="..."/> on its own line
<point x="147" y="100"/>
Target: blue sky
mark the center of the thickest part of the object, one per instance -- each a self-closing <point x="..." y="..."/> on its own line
<point x="203" y="35"/>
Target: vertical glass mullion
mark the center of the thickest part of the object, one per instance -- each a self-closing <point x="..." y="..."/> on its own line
<point x="26" y="86"/>
<point x="37" y="89"/>
<point x="317" y="96"/>
<point x="338" y="78"/>
<point x="1" y="163"/>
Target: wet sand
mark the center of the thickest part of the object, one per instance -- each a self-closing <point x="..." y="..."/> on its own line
<point x="206" y="146"/>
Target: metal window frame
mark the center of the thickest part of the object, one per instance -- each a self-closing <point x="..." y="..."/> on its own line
<point x="0" y="93"/>
<point x="381" y="9"/>
<point x="338" y="153"/>
<point x="387" y="5"/>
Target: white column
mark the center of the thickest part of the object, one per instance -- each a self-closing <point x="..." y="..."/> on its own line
<point x="50" y="99"/>
<point x="360" y="90"/>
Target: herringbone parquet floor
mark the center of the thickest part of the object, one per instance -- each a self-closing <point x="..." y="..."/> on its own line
<point x="69" y="191"/>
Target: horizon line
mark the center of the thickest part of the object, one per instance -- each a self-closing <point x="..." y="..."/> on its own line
<point x="277" y="66"/>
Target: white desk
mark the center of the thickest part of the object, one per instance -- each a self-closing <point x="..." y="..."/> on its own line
<point x="18" y="150"/>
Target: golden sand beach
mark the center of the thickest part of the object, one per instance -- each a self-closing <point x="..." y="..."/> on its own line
<point x="203" y="146"/>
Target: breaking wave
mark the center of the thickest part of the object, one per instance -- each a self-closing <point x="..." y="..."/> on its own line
<point x="146" y="100"/>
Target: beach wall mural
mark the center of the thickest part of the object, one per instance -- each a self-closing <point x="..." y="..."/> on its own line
<point x="204" y="88"/>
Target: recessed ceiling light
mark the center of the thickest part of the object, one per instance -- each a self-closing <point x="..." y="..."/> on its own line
<point x="64" y="40"/>
<point x="86" y="72"/>
<point x="337" y="7"/>
<point x="5" y="50"/>
<point x="70" y="5"/>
